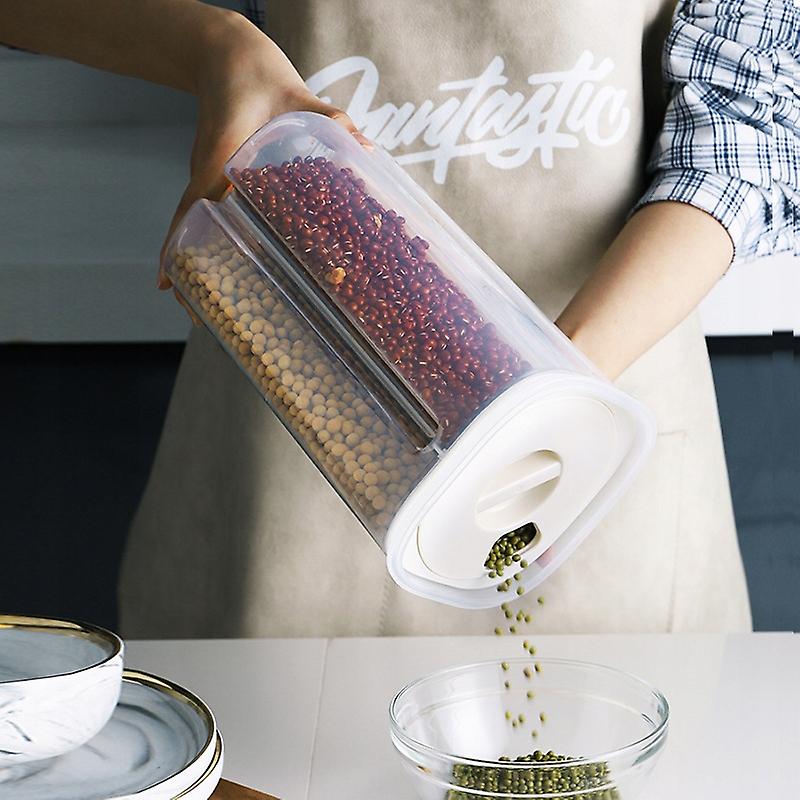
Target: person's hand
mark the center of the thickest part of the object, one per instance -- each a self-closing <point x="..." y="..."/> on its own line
<point x="244" y="82"/>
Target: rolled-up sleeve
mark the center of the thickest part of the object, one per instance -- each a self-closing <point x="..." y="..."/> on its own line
<point x="730" y="143"/>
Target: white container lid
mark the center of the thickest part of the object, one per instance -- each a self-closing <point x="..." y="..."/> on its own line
<point x="557" y="450"/>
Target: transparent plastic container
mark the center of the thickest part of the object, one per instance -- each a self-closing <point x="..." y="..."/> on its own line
<point x="445" y="409"/>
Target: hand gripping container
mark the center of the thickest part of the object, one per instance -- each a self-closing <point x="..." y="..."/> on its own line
<point x="445" y="409"/>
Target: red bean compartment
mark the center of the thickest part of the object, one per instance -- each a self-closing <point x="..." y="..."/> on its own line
<point x="382" y="275"/>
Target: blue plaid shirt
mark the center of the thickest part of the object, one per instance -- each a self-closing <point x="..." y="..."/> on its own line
<point x="730" y="143"/>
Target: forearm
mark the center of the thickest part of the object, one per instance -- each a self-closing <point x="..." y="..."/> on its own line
<point x="163" y="41"/>
<point x="663" y="262"/>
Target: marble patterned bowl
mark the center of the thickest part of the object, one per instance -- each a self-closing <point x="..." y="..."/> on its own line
<point x="59" y="684"/>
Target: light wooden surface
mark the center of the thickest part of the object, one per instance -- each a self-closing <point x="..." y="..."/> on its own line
<point x="233" y="791"/>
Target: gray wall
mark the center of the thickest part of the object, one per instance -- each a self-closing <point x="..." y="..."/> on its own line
<point x="91" y="167"/>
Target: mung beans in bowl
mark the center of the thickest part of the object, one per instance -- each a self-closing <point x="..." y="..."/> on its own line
<point x="529" y="728"/>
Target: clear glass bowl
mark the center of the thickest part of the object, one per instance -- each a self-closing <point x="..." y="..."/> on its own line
<point x="453" y="727"/>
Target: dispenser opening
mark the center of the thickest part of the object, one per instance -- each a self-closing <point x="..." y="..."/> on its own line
<point x="510" y="548"/>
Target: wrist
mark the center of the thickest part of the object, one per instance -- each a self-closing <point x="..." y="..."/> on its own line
<point x="241" y="61"/>
<point x="226" y="40"/>
<point x="600" y="349"/>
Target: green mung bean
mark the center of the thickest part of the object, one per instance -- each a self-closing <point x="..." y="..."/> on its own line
<point x="504" y="553"/>
<point x="526" y="775"/>
<point x="504" y="550"/>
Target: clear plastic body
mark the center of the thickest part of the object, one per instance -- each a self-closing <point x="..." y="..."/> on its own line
<point x="296" y="363"/>
<point x="372" y="325"/>
<point x="451" y="731"/>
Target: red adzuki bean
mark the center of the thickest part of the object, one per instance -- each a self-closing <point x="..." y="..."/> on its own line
<point x="364" y="257"/>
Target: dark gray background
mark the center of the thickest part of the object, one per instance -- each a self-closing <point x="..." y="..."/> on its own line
<point x="80" y="424"/>
<point x="758" y="392"/>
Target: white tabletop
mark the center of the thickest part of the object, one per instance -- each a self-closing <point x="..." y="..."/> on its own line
<point x="308" y="718"/>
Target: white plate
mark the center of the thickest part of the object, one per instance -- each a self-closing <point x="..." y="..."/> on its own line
<point x="160" y="743"/>
<point x="204" y="787"/>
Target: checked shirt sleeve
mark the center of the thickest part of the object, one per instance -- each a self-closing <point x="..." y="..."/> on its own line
<point x="730" y="143"/>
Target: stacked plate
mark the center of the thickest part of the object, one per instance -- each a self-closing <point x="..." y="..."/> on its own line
<point x="74" y="724"/>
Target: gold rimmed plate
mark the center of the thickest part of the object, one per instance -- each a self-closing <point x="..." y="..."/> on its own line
<point x="161" y="743"/>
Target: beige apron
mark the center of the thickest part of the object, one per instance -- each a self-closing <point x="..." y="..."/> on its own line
<point x="524" y="120"/>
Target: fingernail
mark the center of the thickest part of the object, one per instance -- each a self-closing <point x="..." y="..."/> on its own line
<point x="366" y="143"/>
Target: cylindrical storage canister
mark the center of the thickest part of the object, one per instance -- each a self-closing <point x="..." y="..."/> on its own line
<point x="454" y="419"/>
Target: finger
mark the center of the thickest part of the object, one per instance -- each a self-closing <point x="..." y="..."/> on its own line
<point x="367" y="144"/>
<point x="343" y="119"/>
<point x="196" y="321"/>
<point x="336" y="114"/>
<point x="187" y="198"/>
<point x="211" y="185"/>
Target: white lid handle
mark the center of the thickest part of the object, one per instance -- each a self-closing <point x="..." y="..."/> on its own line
<point x="531" y="471"/>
